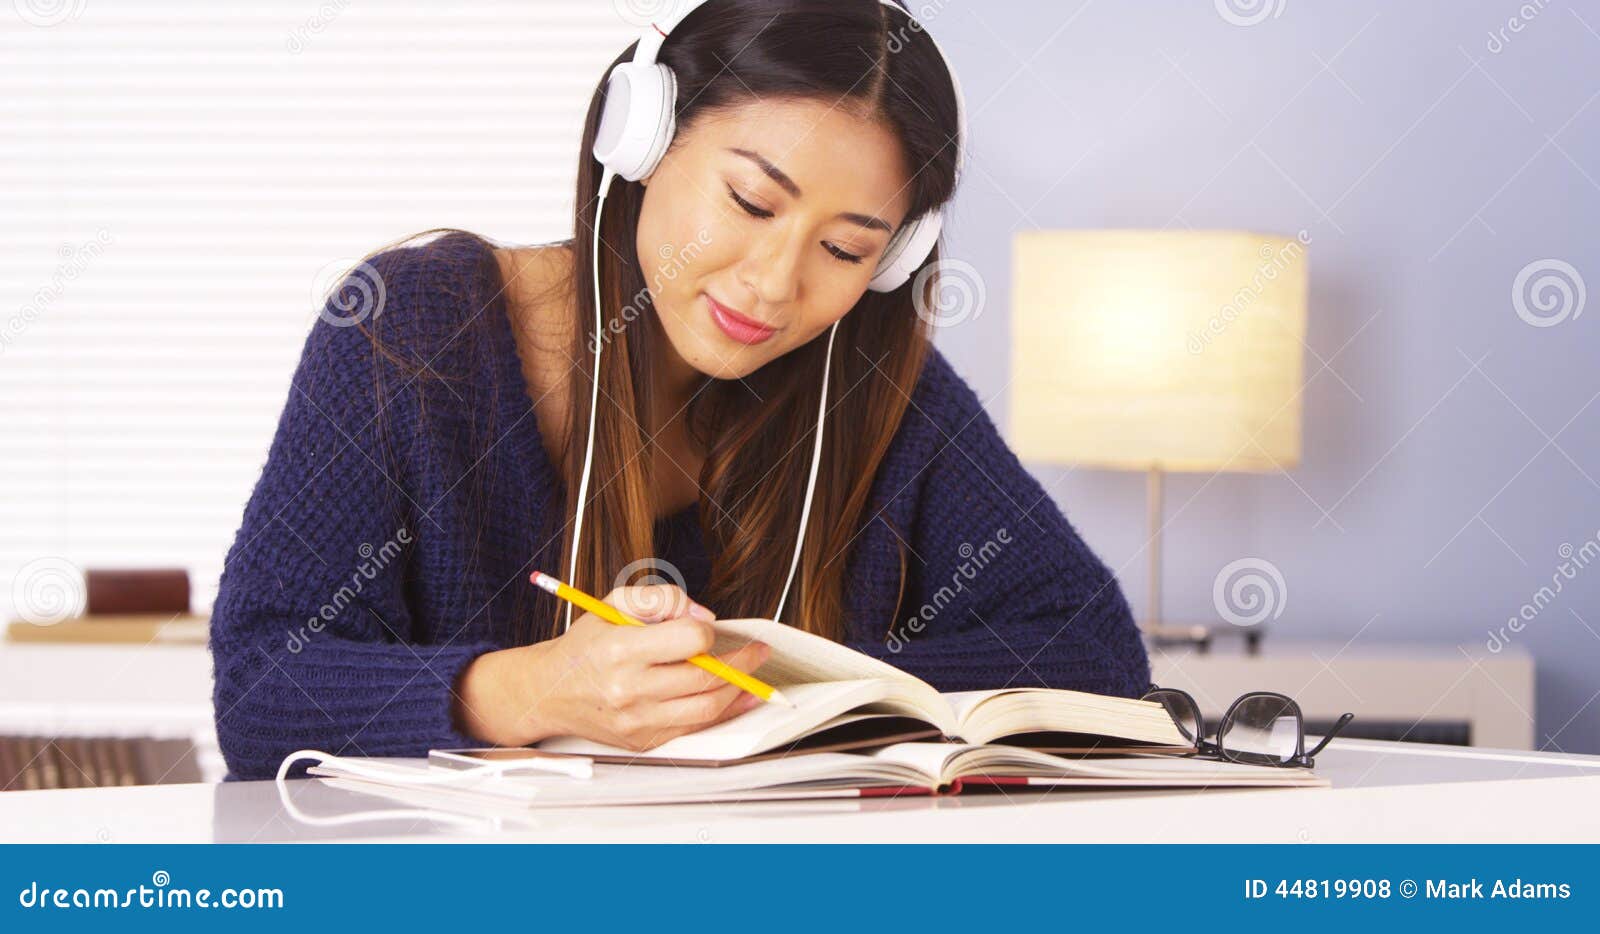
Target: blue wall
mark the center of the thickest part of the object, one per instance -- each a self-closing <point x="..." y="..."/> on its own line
<point x="1430" y="162"/>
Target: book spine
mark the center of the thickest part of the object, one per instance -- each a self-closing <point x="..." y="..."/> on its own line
<point x="986" y="781"/>
<point x="897" y="791"/>
<point x="115" y="591"/>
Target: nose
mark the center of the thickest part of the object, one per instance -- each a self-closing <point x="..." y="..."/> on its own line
<point x="771" y="267"/>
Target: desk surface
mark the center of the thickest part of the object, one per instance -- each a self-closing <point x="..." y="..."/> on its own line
<point x="1382" y="792"/>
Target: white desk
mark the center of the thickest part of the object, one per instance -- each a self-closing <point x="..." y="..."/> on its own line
<point x="1383" y="792"/>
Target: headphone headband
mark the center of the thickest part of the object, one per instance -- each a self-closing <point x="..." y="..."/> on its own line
<point x="639" y="120"/>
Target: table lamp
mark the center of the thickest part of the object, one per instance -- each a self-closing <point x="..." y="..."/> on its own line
<point x="1158" y="351"/>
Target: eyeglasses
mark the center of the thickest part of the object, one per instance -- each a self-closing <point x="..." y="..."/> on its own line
<point x="1260" y="728"/>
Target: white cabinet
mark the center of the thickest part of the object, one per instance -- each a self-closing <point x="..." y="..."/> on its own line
<point x="1400" y="685"/>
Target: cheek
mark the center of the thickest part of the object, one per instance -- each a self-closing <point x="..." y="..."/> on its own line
<point x="821" y="313"/>
<point x="836" y="294"/>
<point x="680" y="239"/>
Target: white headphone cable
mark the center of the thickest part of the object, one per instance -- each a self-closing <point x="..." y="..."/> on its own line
<point x="355" y="768"/>
<point x="594" y="392"/>
<point x="811" y="483"/>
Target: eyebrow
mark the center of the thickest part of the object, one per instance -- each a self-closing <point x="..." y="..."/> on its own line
<point x="787" y="184"/>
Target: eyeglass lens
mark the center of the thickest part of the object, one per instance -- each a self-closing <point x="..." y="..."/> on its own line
<point x="1183" y="711"/>
<point x="1262" y="727"/>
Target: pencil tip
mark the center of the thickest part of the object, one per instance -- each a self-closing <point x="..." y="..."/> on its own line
<point x="778" y="698"/>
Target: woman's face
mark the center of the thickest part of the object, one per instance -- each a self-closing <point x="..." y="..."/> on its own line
<point x="762" y="226"/>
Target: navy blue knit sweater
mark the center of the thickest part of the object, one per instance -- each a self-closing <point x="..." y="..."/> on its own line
<point x="377" y="556"/>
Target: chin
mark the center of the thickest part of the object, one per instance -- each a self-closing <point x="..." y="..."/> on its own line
<point x="727" y="363"/>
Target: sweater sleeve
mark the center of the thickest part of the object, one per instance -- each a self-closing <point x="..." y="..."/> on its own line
<point x="1005" y="593"/>
<point x="311" y="634"/>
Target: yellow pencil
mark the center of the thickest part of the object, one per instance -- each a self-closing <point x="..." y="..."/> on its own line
<point x="612" y="615"/>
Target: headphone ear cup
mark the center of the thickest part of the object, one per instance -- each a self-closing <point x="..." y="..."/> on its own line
<point x="908" y="249"/>
<point x="638" y="120"/>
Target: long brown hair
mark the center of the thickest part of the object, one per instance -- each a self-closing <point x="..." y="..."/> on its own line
<point x="756" y="432"/>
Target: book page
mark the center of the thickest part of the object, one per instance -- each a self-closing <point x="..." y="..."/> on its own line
<point x="985" y="716"/>
<point x="963" y="702"/>
<point x="800" y="657"/>
<point x="641" y="784"/>
<point x="1134" y="770"/>
<point x="931" y="759"/>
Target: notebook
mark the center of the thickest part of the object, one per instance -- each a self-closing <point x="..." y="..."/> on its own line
<point x="847" y="700"/>
<point x="897" y="769"/>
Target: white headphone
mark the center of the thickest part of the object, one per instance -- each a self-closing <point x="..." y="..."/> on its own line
<point x="636" y="127"/>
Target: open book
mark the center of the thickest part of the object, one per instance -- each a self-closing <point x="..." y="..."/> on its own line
<point x="899" y="769"/>
<point x="847" y="700"/>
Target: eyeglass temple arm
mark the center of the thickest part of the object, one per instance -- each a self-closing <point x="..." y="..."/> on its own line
<point x="1332" y="732"/>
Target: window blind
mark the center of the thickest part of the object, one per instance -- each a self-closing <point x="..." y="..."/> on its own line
<point x="176" y="181"/>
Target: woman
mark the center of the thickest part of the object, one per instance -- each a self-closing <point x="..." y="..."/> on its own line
<point x="434" y="444"/>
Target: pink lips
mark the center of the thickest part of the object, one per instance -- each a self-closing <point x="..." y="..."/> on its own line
<point x="737" y="326"/>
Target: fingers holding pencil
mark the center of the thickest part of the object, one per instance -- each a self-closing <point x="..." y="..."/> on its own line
<point x="677" y="678"/>
<point x="611" y="677"/>
<point x="689" y="638"/>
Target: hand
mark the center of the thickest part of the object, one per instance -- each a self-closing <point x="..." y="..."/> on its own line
<point x="626" y="686"/>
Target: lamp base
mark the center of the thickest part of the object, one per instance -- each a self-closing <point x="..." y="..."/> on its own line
<point x="1152" y="625"/>
<point x="1199" y="637"/>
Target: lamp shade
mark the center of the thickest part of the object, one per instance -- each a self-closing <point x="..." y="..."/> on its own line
<point x="1177" y="350"/>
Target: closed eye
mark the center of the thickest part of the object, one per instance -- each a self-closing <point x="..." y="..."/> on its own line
<point x="762" y="213"/>
<point x="749" y="208"/>
<point x="847" y="257"/>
